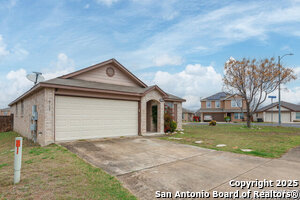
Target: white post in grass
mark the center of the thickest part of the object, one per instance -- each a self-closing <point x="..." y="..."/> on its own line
<point x="18" y="159"/>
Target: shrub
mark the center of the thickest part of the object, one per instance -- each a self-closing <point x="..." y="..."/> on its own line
<point x="212" y="123"/>
<point x="170" y="124"/>
<point x="173" y="126"/>
<point x="227" y="119"/>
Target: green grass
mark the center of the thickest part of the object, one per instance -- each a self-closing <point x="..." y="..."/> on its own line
<point x="265" y="141"/>
<point x="53" y="172"/>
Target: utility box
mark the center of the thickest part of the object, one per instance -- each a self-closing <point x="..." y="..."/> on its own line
<point x="33" y="124"/>
<point x="34" y="113"/>
<point x="33" y="127"/>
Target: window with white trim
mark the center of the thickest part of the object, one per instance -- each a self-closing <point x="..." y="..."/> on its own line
<point x="238" y="115"/>
<point x="236" y="103"/>
<point x="297" y="115"/>
<point x="208" y="104"/>
<point x="217" y="103"/>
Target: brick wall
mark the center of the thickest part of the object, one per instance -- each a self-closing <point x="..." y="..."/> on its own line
<point x="44" y="99"/>
<point x="6" y="123"/>
<point x="179" y="115"/>
<point x="153" y="95"/>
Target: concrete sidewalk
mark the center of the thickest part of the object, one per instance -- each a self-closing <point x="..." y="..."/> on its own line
<point x="292" y="124"/>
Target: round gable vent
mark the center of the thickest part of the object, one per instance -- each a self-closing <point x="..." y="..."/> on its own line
<point x="110" y="71"/>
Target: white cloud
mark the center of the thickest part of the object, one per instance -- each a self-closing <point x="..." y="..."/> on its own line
<point x="63" y="65"/>
<point x="3" y="49"/>
<point x="291" y="95"/>
<point x="297" y="71"/>
<point x="107" y="2"/>
<point x="207" y="32"/>
<point x="15" y="53"/>
<point x="16" y="83"/>
<point x="286" y="48"/>
<point x="87" y="6"/>
<point x="19" y="53"/>
<point x="193" y="82"/>
<point x="8" y="4"/>
<point x="165" y="59"/>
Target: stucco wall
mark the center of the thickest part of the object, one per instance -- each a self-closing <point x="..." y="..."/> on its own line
<point x="44" y="99"/>
<point x="153" y="95"/>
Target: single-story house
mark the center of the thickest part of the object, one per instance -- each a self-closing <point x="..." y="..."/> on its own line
<point x="5" y="112"/>
<point x="289" y="113"/>
<point x="103" y="100"/>
<point x="187" y="115"/>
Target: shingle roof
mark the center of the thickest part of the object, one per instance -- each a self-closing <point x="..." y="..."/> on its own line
<point x="171" y="96"/>
<point x="76" y="83"/>
<point x="217" y="96"/>
<point x="184" y="110"/>
<point x="103" y="86"/>
<point x="291" y="106"/>
<point x="95" y="85"/>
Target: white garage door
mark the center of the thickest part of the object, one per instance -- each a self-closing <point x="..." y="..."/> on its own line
<point x="285" y="117"/>
<point x="85" y="118"/>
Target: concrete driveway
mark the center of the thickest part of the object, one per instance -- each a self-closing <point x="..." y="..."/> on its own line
<point x="145" y="165"/>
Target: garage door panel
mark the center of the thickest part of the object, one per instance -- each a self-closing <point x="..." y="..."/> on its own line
<point x="84" y="118"/>
<point x="285" y="117"/>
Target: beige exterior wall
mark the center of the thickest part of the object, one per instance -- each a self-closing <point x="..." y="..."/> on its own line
<point x="293" y="117"/>
<point x="153" y="95"/>
<point x="44" y="99"/>
<point x="99" y="75"/>
<point x="227" y="105"/>
<point x="185" y="117"/>
<point x="203" y="104"/>
<point x="258" y="115"/>
<point x="179" y="115"/>
<point x="49" y="116"/>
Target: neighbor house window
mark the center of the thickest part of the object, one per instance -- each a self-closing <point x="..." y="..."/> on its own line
<point x="297" y="115"/>
<point x="238" y="115"/>
<point x="208" y="104"/>
<point x="217" y="104"/>
<point x="236" y="103"/>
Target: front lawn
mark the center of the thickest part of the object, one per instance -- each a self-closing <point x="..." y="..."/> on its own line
<point x="53" y="172"/>
<point x="264" y="141"/>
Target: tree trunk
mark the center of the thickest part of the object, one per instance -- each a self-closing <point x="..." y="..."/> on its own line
<point x="248" y="116"/>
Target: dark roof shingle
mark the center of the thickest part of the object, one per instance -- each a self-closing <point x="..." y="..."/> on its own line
<point x="217" y="96"/>
<point x="291" y="106"/>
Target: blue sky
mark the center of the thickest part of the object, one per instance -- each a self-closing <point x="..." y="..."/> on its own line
<point x="179" y="45"/>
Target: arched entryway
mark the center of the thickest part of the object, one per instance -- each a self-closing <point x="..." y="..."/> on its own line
<point x="153" y="116"/>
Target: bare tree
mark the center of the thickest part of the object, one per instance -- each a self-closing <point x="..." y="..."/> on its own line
<point x="253" y="80"/>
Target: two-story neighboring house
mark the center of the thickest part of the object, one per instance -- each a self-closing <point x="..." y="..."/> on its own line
<point x="220" y="105"/>
<point x="5" y="112"/>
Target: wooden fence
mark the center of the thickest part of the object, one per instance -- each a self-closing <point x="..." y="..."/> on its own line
<point x="6" y="123"/>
